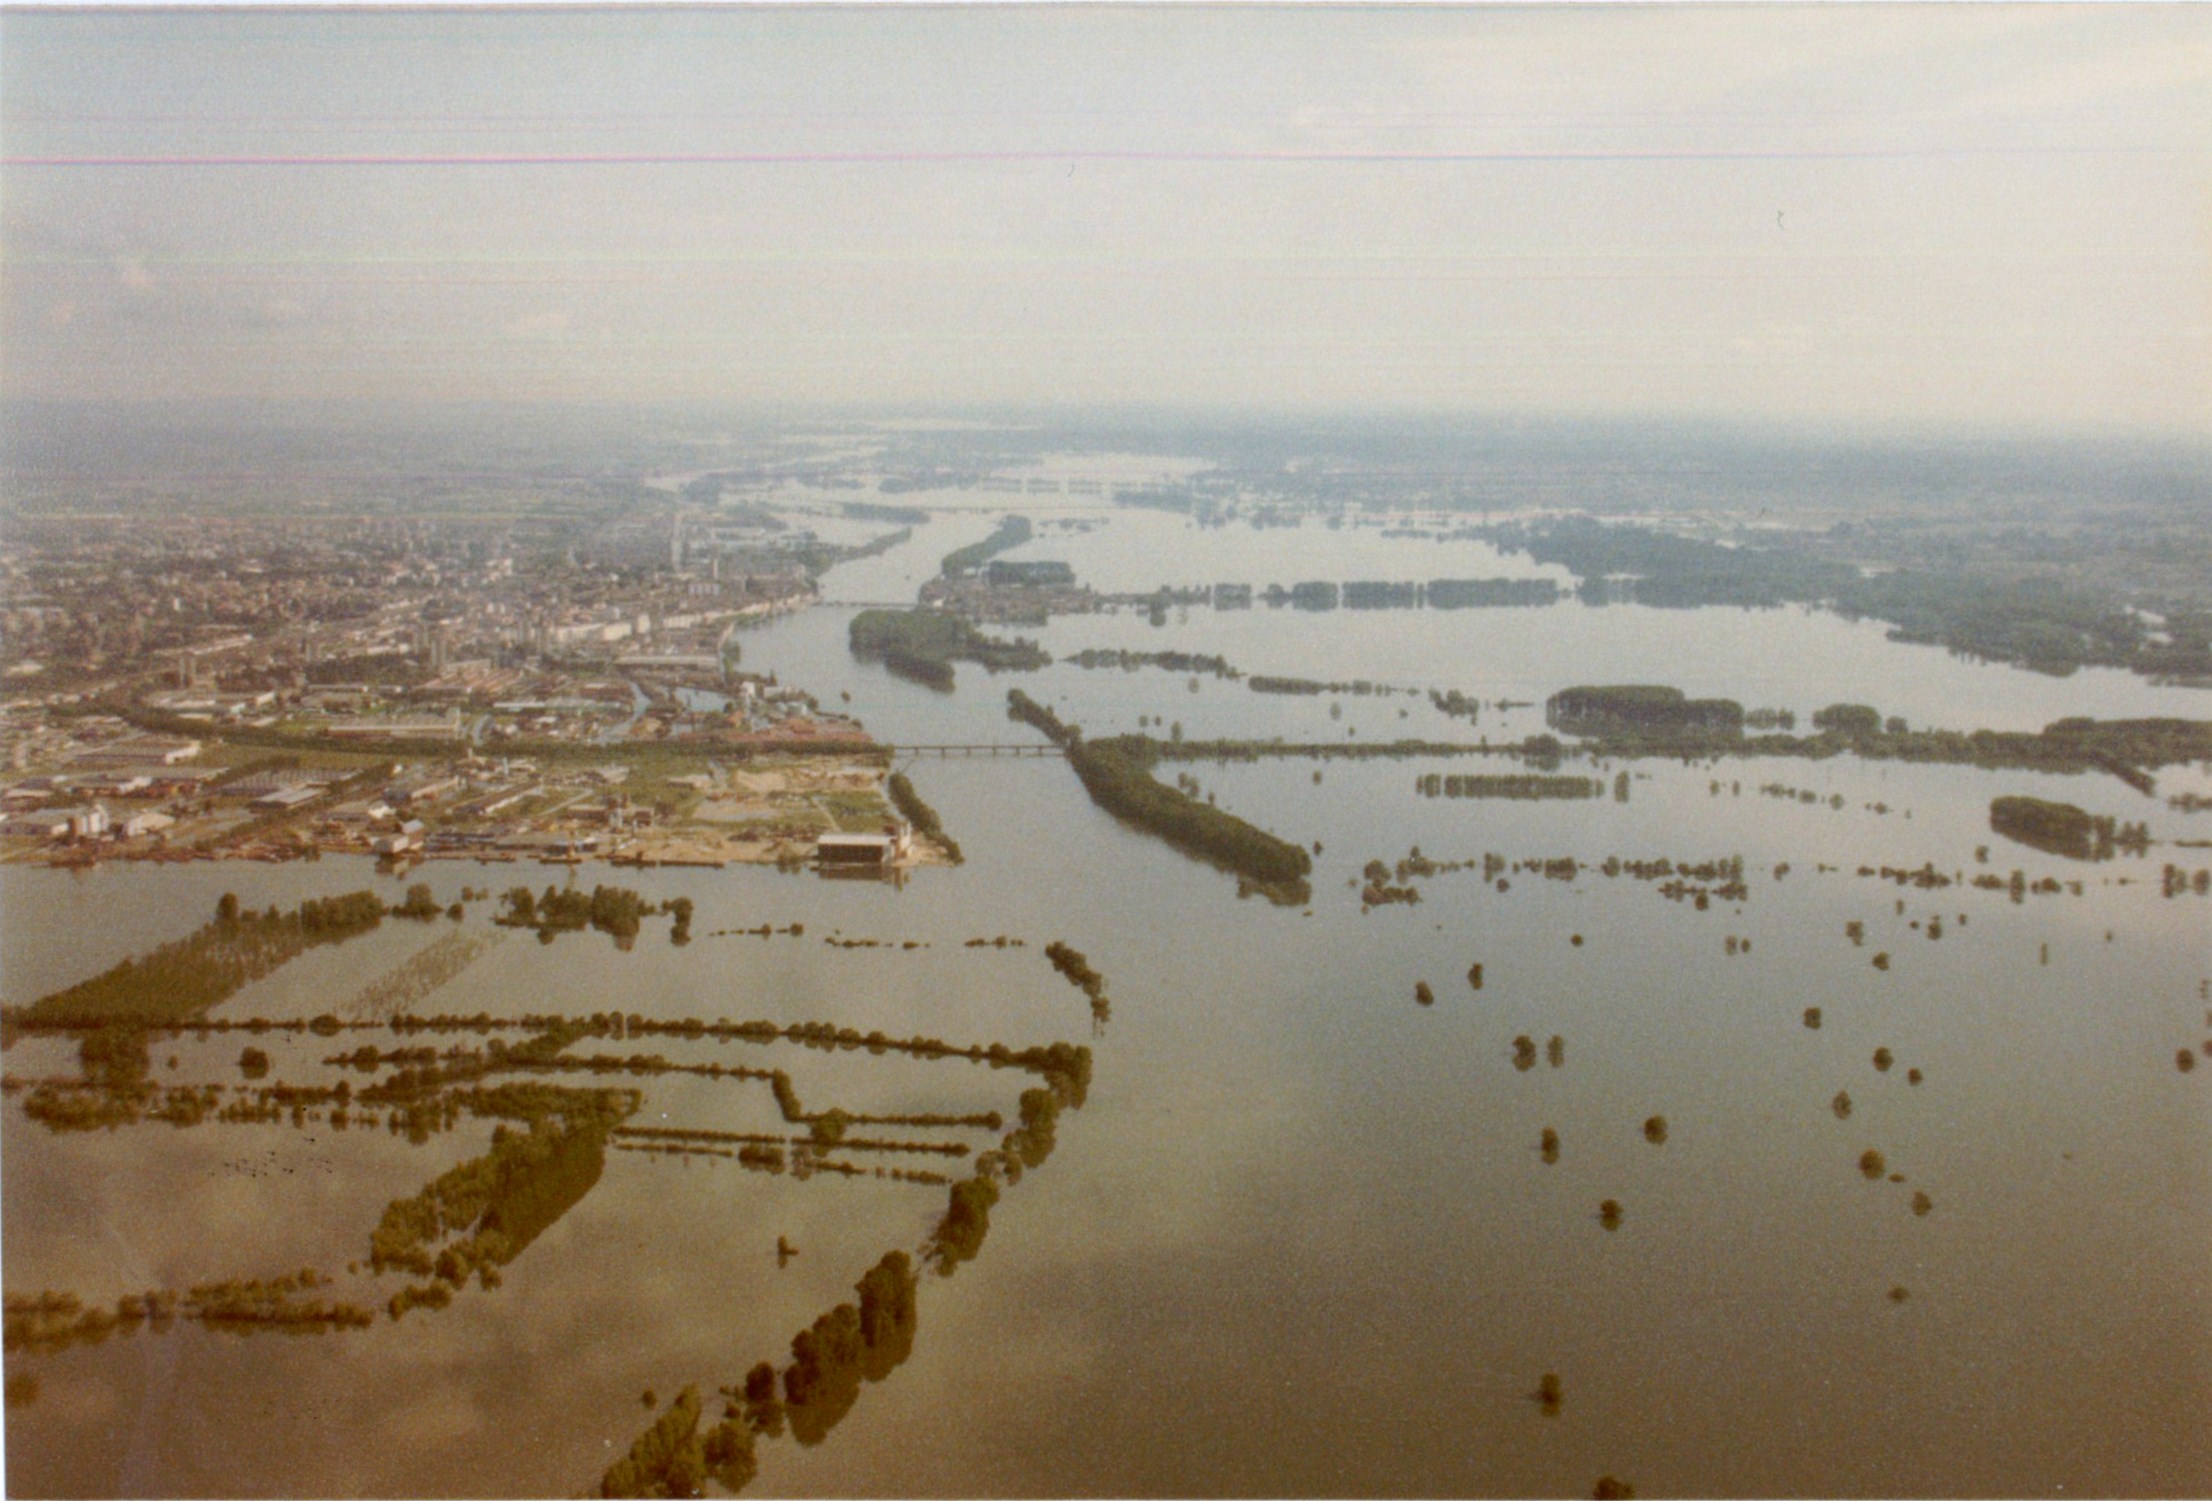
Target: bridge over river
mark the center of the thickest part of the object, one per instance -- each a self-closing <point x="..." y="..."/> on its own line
<point x="1002" y="748"/>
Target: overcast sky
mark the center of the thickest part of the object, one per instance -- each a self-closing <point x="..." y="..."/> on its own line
<point x="1987" y="215"/>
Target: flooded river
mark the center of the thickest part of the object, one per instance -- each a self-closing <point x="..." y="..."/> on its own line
<point x="1300" y="1239"/>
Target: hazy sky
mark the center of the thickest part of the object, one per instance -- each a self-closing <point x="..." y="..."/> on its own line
<point x="1990" y="215"/>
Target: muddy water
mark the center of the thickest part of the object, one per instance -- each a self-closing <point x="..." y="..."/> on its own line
<point x="1301" y="1238"/>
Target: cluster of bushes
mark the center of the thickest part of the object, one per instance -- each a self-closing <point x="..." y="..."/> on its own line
<point x="2063" y="829"/>
<point x="614" y="910"/>
<point x="673" y="1458"/>
<point x="1455" y="705"/>
<point x="923" y="645"/>
<point x="420" y="904"/>
<point x="1648" y="708"/>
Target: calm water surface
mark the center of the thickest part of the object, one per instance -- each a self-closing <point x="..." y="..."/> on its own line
<point x="1300" y="1240"/>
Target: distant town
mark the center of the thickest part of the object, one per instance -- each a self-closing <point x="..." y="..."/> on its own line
<point x="417" y="689"/>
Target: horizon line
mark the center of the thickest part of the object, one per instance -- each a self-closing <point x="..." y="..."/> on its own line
<point x="1072" y="156"/>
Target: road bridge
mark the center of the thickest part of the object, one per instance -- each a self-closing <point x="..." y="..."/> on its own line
<point x="1001" y="748"/>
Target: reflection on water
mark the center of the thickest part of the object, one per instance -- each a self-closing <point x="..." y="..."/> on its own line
<point x="1282" y="1169"/>
<point x="547" y="1150"/>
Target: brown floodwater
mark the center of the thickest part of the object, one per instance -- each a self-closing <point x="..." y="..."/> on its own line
<point x="1293" y="1242"/>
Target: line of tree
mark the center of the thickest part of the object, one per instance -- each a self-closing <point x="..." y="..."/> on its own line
<point x="921" y="815"/>
<point x="1307" y="687"/>
<point x="673" y="1458"/>
<point x="1171" y="661"/>
<point x="1435" y="784"/>
<point x="180" y="981"/>
<point x="854" y="1342"/>
<point x="497" y="1203"/>
<point x="1012" y="532"/>
<point x="1072" y="963"/>
<point x="2063" y="829"/>
<point x="614" y="910"/>
<point x="1117" y="773"/>
<point x="1648" y="708"/>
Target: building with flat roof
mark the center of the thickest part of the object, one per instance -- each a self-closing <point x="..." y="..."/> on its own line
<point x="44" y="823"/>
<point x="865" y="850"/>
<point x="144" y="750"/>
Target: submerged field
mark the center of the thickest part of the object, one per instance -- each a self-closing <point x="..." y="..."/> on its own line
<point x="1324" y="1215"/>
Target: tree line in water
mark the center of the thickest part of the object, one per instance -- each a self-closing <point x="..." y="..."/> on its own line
<point x="923" y="644"/>
<point x="921" y="815"/>
<point x="2063" y="829"/>
<point x="1117" y="773"/>
<point x="1072" y="963"/>
<point x="859" y="1341"/>
<point x="855" y="1342"/>
<point x="614" y="910"/>
<point x="546" y="1153"/>
<point x="1189" y="663"/>
<point x="1528" y="787"/>
<point x="1012" y="532"/>
<point x="179" y="981"/>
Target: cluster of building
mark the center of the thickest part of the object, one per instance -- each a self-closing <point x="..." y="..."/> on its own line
<point x="109" y="764"/>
